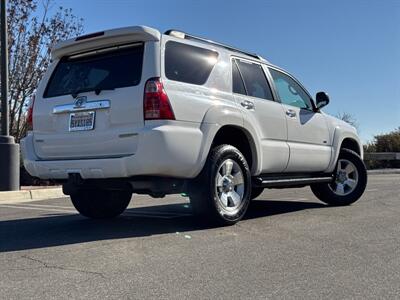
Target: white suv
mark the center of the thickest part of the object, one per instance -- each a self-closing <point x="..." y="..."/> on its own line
<point x="132" y="110"/>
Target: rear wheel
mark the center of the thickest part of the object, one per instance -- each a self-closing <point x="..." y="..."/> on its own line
<point x="221" y="193"/>
<point x="349" y="183"/>
<point x="100" y="204"/>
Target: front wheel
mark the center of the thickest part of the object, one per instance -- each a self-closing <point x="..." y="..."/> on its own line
<point x="349" y="182"/>
<point x="100" y="204"/>
<point x="221" y="193"/>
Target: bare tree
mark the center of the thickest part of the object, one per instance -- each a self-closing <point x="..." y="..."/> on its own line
<point x="32" y="32"/>
<point x="348" y="118"/>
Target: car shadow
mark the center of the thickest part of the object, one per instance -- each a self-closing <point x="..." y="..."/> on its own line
<point x="55" y="230"/>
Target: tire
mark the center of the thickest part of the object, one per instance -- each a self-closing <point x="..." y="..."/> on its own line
<point x="255" y="192"/>
<point x="100" y="204"/>
<point x="348" y="186"/>
<point x="218" y="195"/>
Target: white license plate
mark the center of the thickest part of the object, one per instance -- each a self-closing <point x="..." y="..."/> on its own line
<point x="81" y="121"/>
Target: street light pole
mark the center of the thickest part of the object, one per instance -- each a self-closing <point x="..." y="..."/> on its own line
<point x="5" y="127"/>
<point x="9" y="150"/>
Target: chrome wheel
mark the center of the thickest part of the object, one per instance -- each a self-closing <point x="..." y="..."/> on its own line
<point x="346" y="178"/>
<point x="229" y="185"/>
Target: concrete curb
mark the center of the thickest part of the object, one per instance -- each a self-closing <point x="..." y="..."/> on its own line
<point x="31" y="195"/>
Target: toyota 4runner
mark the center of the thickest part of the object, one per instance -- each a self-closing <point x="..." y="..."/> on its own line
<point x="132" y="110"/>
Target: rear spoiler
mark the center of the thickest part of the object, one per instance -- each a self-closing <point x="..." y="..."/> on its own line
<point x="105" y="38"/>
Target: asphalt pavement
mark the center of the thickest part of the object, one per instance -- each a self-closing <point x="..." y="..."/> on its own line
<point x="289" y="246"/>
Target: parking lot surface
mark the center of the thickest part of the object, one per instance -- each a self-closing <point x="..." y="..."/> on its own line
<point x="290" y="245"/>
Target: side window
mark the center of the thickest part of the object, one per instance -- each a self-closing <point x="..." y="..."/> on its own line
<point x="188" y="63"/>
<point x="255" y="82"/>
<point x="289" y="91"/>
<point x="237" y="82"/>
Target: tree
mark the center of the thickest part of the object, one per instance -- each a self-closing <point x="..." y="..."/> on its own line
<point x="32" y="32"/>
<point x="387" y="142"/>
<point x="348" y="118"/>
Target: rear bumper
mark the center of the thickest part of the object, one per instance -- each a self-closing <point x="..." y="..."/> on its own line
<point x="172" y="150"/>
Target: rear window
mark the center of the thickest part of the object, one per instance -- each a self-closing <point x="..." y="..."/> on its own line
<point x="109" y="69"/>
<point x="237" y="82"/>
<point x="188" y="63"/>
<point x="254" y="80"/>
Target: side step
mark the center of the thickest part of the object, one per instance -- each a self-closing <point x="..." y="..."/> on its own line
<point x="294" y="180"/>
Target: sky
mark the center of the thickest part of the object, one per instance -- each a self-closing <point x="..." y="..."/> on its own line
<point x="349" y="49"/>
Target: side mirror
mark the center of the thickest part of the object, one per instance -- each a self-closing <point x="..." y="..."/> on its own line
<point x="322" y="99"/>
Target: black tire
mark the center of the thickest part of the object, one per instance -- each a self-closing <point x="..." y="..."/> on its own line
<point x="204" y="192"/>
<point x="101" y="204"/>
<point x="325" y="193"/>
<point x="255" y="192"/>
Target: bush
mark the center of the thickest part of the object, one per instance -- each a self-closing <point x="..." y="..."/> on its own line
<point x="389" y="142"/>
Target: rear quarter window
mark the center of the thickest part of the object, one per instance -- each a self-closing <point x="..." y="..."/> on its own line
<point x="109" y="69"/>
<point x="190" y="64"/>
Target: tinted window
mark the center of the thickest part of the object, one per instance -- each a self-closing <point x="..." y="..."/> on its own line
<point x="188" y="63"/>
<point x="237" y="82"/>
<point x="254" y="80"/>
<point x="108" y="70"/>
<point x="289" y="91"/>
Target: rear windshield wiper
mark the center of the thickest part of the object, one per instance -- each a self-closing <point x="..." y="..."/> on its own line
<point x="97" y="91"/>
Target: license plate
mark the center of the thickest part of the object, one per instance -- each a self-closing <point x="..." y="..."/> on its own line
<point x="81" y="121"/>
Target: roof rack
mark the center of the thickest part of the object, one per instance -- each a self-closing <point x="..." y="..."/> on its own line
<point x="184" y="35"/>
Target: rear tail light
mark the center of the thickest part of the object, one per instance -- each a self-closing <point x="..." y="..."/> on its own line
<point x="156" y="104"/>
<point x="29" y="116"/>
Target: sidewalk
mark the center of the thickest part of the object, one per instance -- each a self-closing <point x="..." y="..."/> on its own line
<point x="31" y="193"/>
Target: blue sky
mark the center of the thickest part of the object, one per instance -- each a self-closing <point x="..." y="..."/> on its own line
<point x="350" y="49"/>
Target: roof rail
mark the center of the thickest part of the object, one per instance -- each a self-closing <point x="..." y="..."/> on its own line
<point x="184" y="35"/>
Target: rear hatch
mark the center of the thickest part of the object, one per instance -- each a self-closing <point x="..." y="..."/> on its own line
<point x="91" y="103"/>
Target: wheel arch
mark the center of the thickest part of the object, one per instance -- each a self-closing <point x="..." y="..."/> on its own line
<point x="344" y="139"/>
<point x="351" y="144"/>
<point x="240" y="138"/>
<point x="229" y="119"/>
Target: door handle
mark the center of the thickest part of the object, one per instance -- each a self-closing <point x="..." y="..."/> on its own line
<point x="247" y="104"/>
<point x="291" y="113"/>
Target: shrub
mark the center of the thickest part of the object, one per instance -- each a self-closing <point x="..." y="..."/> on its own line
<point x="388" y="142"/>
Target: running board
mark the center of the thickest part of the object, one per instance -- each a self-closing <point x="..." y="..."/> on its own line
<point x="269" y="182"/>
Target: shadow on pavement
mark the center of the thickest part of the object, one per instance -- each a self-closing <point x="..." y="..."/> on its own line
<point x="56" y="230"/>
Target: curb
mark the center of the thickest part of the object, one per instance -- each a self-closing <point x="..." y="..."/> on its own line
<point x="31" y="195"/>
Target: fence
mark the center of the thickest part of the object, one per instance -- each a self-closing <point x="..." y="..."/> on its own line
<point x="382" y="160"/>
<point x="382" y="156"/>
